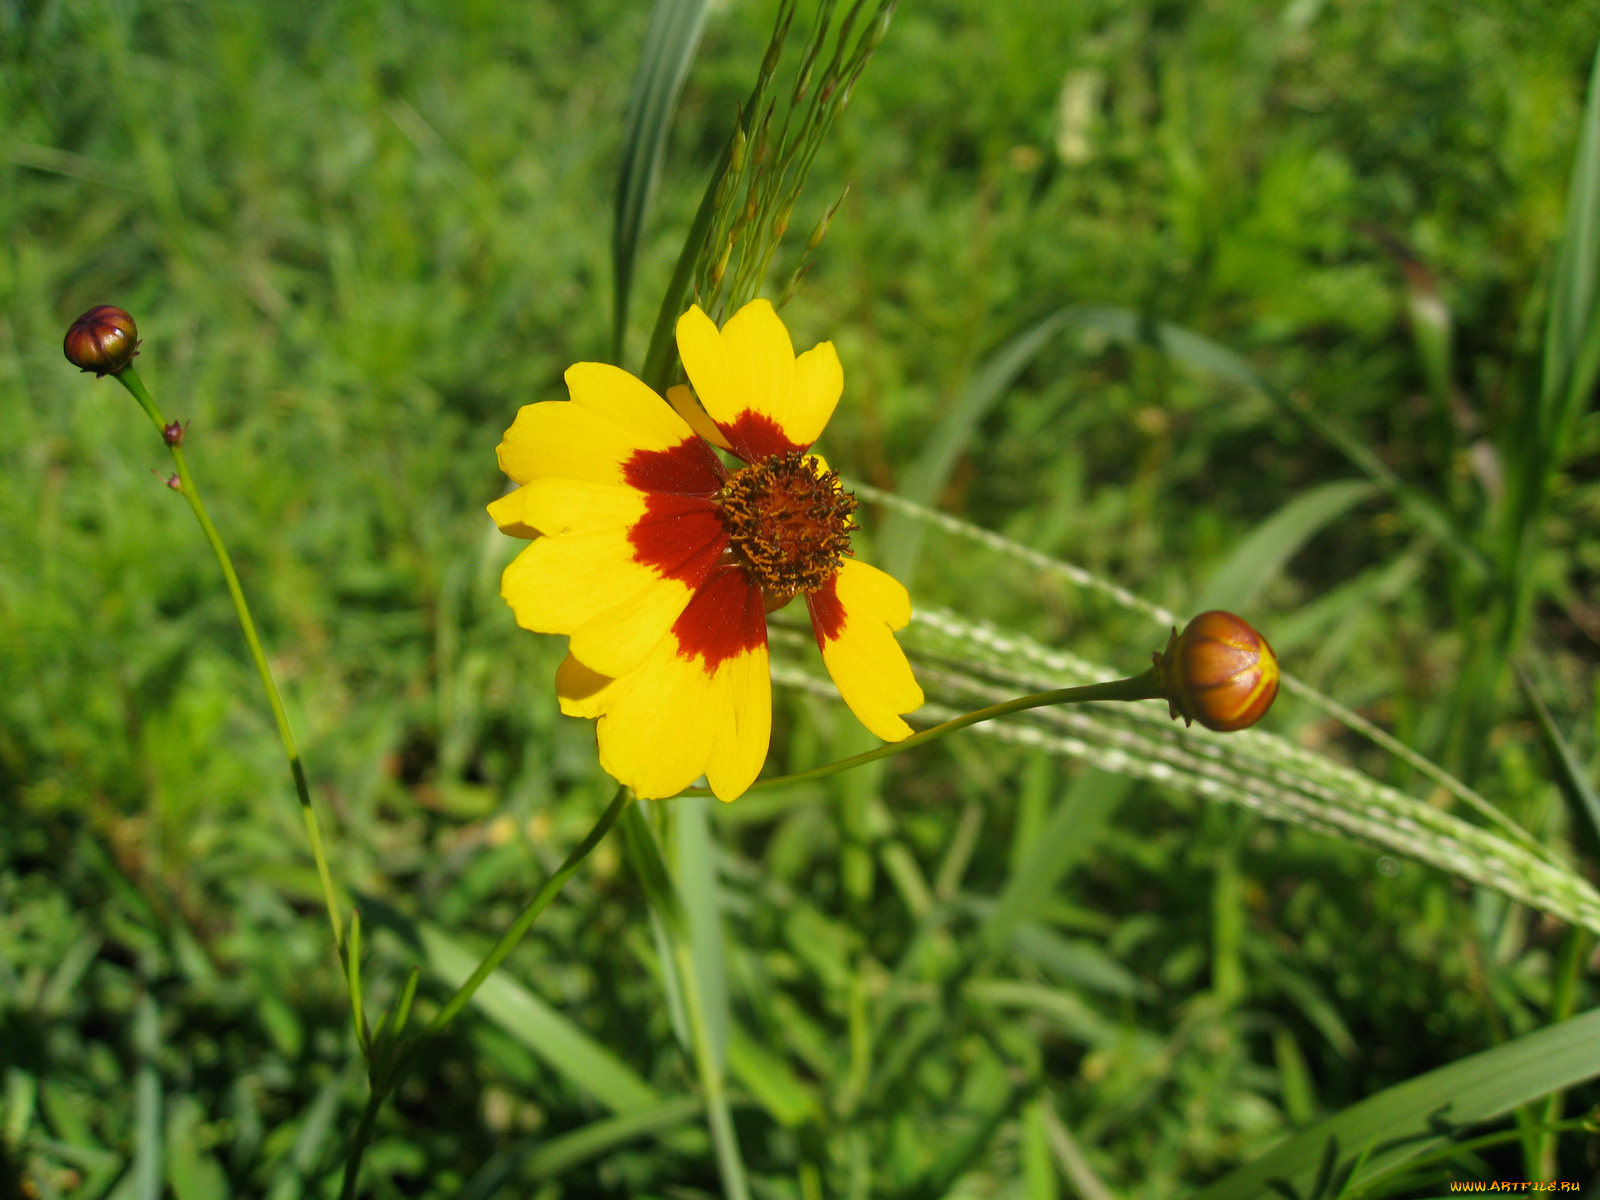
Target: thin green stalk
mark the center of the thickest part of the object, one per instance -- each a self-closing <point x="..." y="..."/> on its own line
<point x="1145" y="686"/>
<point x="1574" y="950"/>
<point x="358" y="1144"/>
<point x="526" y="918"/>
<point x="129" y="378"/>
<point x="385" y="1071"/>
<point x="729" y="1165"/>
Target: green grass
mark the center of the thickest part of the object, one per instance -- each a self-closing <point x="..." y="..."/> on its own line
<point x="358" y="237"/>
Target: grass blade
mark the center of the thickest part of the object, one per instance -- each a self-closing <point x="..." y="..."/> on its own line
<point x="669" y="47"/>
<point x="148" y="1165"/>
<point x="1583" y="802"/>
<point x="1065" y="841"/>
<point x="588" y="1064"/>
<point x="1569" y="364"/>
<point x="702" y="908"/>
<point x="546" y="1158"/>
<point x="1201" y="354"/>
<point x="902" y="538"/>
<point x="1258" y="558"/>
<point x="1403" y="1121"/>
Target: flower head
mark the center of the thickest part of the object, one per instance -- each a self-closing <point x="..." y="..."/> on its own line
<point x="1218" y="671"/>
<point x="103" y="340"/>
<point x="660" y="563"/>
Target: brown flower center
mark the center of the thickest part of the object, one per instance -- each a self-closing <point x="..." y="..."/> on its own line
<point x="788" y="523"/>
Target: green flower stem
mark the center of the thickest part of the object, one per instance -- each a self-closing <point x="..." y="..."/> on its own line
<point x="519" y="927"/>
<point x="729" y="1164"/>
<point x="1146" y="686"/>
<point x="385" y="1070"/>
<point x="359" y="1143"/>
<point x="129" y="378"/>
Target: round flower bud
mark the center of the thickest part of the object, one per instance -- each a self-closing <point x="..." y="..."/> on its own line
<point x="1218" y="671"/>
<point x="104" y="340"/>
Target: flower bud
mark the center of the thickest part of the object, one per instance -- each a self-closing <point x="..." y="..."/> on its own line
<point x="1218" y="671"/>
<point x="104" y="340"/>
<point x="172" y="433"/>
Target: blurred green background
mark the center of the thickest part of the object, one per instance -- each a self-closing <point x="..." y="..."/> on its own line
<point x="357" y="236"/>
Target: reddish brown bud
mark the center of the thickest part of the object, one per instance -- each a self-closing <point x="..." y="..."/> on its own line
<point x="1218" y="671"/>
<point x="104" y="340"/>
<point x="172" y="432"/>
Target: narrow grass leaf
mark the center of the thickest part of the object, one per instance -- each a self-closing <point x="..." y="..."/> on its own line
<point x="295" y="1172"/>
<point x="589" y="1065"/>
<point x="1200" y="354"/>
<point x="192" y="1169"/>
<point x="1066" y="840"/>
<point x="1405" y="1120"/>
<point x="702" y="907"/>
<point x="902" y="538"/>
<point x="542" y="1157"/>
<point x="770" y="1082"/>
<point x="1583" y="802"/>
<point x="1574" y="321"/>
<point x="148" y="1165"/>
<point x="669" y="48"/>
<point x="1259" y="557"/>
<point x="1074" y="1163"/>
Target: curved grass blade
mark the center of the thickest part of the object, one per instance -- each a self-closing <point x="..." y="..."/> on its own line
<point x="1583" y="802"/>
<point x="902" y="538"/>
<point x="149" y="1171"/>
<point x="546" y="1158"/>
<point x="669" y="47"/>
<point x="1570" y="362"/>
<point x="584" y="1061"/>
<point x="1260" y="555"/>
<point x="1399" y="1123"/>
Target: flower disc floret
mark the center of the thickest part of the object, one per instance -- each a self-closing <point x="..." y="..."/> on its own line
<point x="789" y="522"/>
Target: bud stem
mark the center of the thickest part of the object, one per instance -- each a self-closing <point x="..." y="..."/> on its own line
<point x="129" y="378"/>
<point x="1144" y="686"/>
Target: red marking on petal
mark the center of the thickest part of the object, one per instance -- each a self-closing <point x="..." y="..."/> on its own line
<point x="827" y="612"/>
<point x="690" y="468"/>
<point x="724" y="619"/>
<point x="680" y="536"/>
<point x="755" y="436"/>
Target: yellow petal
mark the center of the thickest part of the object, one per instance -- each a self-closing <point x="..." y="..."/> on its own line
<point x="659" y="721"/>
<point x="763" y="400"/>
<point x="863" y="586"/>
<point x="687" y="407"/>
<point x="617" y="640"/>
<point x="612" y="393"/>
<point x="742" y="741"/>
<point x="818" y="383"/>
<point x="558" y="583"/>
<point x="557" y="437"/>
<point x="700" y="702"/>
<point x="506" y="512"/>
<point x="611" y="417"/>
<point x="853" y="617"/>
<point x="557" y="506"/>
<point x="580" y="691"/>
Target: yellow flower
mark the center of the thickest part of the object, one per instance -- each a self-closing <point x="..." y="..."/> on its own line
<point x="661" y="564"/>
